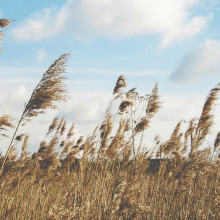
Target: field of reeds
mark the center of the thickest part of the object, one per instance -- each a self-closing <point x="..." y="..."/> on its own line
<point x="110" y="174"/>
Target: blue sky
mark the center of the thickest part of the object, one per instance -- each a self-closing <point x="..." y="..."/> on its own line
<point x="97" y="53"/>
<point x="175" y="43"/>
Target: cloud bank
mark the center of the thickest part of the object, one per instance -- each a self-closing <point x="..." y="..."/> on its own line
<point x="86" y="110"/>
<point x="116" y="19"/>
<point x="200" y="63"/>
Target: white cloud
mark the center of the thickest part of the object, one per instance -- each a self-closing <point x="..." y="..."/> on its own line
<point x="86" y="107"/>
<point x="38" y="26"/>
<point x="41" y="54"/>
<point x="116" y="72"/>
<point x="6" y="71"/>
<point x="203" y="62"/>
<point x="170" y="19"/>
<point x="12" y="99"/>
<point x="87" y="110"/>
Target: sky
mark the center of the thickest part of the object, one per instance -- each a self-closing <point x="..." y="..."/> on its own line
<point x="175" y="43"/>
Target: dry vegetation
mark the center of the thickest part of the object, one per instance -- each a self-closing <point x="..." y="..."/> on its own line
<point x="116" y="177"/>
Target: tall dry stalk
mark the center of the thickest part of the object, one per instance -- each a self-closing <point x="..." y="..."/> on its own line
<point x="112" y="186"/>
<point x="205" y="122"/>
<point x="49" y="90"/>
<point x="153" y="107"/>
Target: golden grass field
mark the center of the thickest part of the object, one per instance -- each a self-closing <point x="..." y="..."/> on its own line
<point x="117" y="177"/>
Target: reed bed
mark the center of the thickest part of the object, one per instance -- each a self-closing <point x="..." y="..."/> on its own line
<point x="116" y="176"/>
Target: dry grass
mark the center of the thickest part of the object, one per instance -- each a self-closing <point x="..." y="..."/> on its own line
<point x="111" y="190"/>
<point x="50" y="90"/>
<point x="116" y="177"/>
<point x="111" y="181"/>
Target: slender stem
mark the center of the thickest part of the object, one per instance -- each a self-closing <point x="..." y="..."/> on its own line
<point x="68" y="169"/>
<point x="132" y="127"/>
<point x="157" y="186"/>
<point x="10" y="145"/>
<point x="22" y="117"/>
<point x="142" y="135"/>
<point x="18" y="188"/>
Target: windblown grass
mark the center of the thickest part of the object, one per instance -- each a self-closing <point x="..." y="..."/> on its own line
<point x="115" y="178"/>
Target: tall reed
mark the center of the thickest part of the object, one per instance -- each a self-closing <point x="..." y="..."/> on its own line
<point x="50" y="90"/>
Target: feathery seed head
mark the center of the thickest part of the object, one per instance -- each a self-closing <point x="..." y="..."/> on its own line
<point x="50" y="89"/>
<point x="124" y="105"/>
<point x="154" y="102"/>
<point x="5" y="22"/>
<point x="53" y="125"/>
<point x="119" y="84"/>
<point x="60" y="124"/>
<point x="63" y="129"/>
<point x="206" y="119"/>
<point x="5" y="122"/>
<point x="71" y="132"/>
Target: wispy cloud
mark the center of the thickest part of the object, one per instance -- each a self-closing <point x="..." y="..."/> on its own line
<point x="13" y="71"/>
<point x="16" y="72"/>
<point x="116" y="72"/>
<point x="170" y="19"/>
<point x="86" y="110"/>
<point x="41" y="54"/>
<point x="200" y="63"/>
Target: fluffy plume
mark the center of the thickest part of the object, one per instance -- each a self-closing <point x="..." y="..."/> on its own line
<point x="3" y="24"/>
<point x="124" y="105"/>
<point x="60" y="124"/>
<point x="63" y="129"/>
<point x="53" y="125"/>
<point x="24" y="153"/>
<point x="12" y="156"/>
<point x="5" y="122"/>
<point x="152" y="108"/>
<point x="71" y="132"/>
<point x="117" y="141"/>
<point x="25" y="143"/>
<point x="153" y="103"/>
<point x="48" y="155"/>
<point x="50" y="89"/>
<point x="206" y="119"/>
<point x="119" y="84"/>
<point x="132" y="94"/>
<point x="174" y="143"/>
<point x="105" y="130"/>
<point x="66" y="149"/>
<point x="143" y="124"/>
